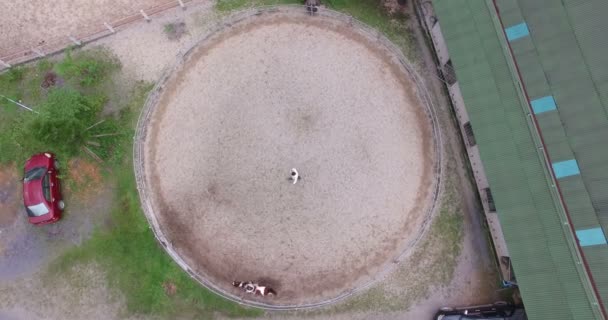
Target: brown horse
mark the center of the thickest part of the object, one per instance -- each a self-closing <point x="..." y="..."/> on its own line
<point x="254" y="288"/>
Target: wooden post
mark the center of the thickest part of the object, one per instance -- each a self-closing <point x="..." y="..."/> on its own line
<point x="5" y="64"/>
<point x="76" y="41"/>
<point x="144" y="15"/>
<point x="181" y="4"/>
<point x="38" y="52"/>
<point x="109" y="27"/>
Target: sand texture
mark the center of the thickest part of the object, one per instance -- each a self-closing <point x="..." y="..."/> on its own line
<point x="279" y="92"/>
<point x="33" y="23"/>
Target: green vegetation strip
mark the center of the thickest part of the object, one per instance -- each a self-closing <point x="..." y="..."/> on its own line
<point x="394" y="25"/>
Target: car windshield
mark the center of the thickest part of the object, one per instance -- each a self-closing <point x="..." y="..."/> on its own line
<point x="37" y="210"/>
<point x="34" y="174"/>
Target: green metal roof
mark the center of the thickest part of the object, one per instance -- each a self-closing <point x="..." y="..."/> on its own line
<point x="566" y="44"/>
<point x="564" y="57"/>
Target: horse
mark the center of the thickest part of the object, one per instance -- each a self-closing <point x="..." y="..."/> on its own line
<point x="295" y="176"/>
<point x="254" y="288"/>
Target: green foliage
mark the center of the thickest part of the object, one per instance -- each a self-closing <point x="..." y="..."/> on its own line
<point x="64" y="111"/>
<point x="44" y="66"/>
<point x="230" y="5"/>
<point x="169" y="28"/>
<point x="59" y="125"/>
<point x="133" y="261"/>
<point x="88" y="68"/>
<point x="371" y="12"/>
<point x="117" y="131"/>
<point x="15" y="74"/>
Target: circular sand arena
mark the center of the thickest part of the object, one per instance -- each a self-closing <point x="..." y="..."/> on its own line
<point x="266" y="94"/>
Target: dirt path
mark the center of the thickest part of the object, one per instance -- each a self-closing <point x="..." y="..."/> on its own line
<point x="475" y="277"/>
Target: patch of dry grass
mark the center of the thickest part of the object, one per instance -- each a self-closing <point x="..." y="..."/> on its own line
<point x="84" y="178"/>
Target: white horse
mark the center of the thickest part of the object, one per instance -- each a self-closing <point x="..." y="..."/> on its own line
<point x="295" y="176"/>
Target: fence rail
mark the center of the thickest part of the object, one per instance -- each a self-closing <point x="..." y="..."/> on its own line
<point x="423" y="95"/>
<point x="87" y="34"/>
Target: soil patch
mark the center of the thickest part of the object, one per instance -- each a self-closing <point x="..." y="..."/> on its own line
<point x="85" y="178"/>
<point x="10" y="189"/>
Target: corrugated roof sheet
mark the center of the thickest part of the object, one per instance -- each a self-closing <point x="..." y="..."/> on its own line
<point x="555" y="61"/>
<point x="565" y="44"/>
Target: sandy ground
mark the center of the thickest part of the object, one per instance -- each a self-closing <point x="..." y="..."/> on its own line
<point x="144" y="51"/>
<point x="30" y="23"/>
<point x="276" y="92"/>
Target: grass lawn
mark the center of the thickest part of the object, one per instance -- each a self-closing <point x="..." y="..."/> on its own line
<point x="231" y="5"/>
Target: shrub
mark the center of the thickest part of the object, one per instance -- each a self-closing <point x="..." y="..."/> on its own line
<point x="60" y="125"/>
<point x="87" y="68"/>
<point x="174" y="31"/>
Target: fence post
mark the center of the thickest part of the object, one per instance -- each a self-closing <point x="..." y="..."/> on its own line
<point x="76" y="41"/>
<point x="144" y="15"/>
<point x="5" y="64"/>
<point x="109" y="27"/>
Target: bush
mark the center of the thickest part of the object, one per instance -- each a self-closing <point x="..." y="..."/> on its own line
<point x="175" y="31"/>
<point x="60" y="125"/>
<point x="66" y="106"/>
<point x="88" y="68"/>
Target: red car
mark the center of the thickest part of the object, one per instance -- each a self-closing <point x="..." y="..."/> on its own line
<point x="41" y="191"/>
